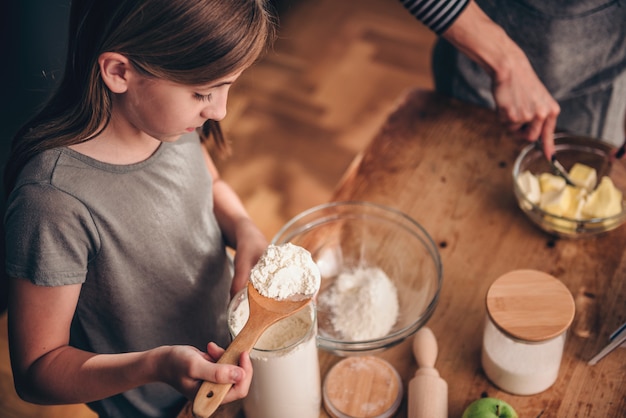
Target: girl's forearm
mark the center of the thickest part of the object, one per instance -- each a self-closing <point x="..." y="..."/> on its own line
<point x="229" y="211"/>
<point x="228" y="208"/>
<point x="59" y="376"/>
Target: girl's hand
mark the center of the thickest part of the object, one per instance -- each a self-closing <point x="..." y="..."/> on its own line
<point x="238" y="229"/>
<point x="186" y="367"/>
<point x="251" y="244"/>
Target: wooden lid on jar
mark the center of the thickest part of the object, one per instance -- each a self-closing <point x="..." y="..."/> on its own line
<point x="530" y="305"/>
<point x="362" y="387"/>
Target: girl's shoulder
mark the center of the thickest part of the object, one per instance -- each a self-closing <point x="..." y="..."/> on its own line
<point x="39" y="168"/>
<point x="71" y="171"/>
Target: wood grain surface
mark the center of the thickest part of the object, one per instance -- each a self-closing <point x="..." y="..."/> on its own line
<point x="448" y="165"/>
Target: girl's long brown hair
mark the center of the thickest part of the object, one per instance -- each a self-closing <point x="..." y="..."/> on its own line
<point x="192" y="42"/>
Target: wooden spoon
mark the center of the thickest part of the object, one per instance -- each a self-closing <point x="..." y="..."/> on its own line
<point x="264" y="312"/>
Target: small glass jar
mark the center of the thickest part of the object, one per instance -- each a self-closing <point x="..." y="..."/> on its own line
<point x="286" y="380"/>
<point x="362" y="387"/>
<point x="528" y="314"/>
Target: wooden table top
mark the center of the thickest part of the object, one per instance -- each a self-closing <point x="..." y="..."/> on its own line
<point x="448" y="165"/>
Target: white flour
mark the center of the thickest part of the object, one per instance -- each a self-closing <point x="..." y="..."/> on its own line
<point x="363" y="304"/>
<point x="519" y="368"/>
<point x="284" y="271"/>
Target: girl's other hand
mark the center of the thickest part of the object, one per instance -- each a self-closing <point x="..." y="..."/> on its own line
<point x="240" y="232"/>
<point x="251" y="244"/>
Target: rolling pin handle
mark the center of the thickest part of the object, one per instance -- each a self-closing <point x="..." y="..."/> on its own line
<point x="427" y="392"/>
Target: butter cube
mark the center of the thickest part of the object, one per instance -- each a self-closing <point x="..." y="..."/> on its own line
<point x="529" y="185"/>
<point x="556" y="202"/>
<point x="583" y="176"/>
<point x="604" y="201"/>
<point x="549" y="182"/>
<point x="577" y="197"/>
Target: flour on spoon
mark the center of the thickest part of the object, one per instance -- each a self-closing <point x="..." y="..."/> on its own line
<point x="285" y="271"/>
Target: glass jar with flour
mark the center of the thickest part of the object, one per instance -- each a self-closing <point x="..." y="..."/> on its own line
<point x="528" y="314"/>
<point x="286" y="381"/>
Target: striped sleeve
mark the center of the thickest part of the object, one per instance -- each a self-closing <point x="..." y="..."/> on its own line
<point x="438" y="15"/>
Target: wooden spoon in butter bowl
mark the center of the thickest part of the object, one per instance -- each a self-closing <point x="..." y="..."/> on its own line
<point x="264" y="311"/>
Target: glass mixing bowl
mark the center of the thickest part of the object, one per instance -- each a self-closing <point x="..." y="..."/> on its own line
<point x="346" y="236"/>
<point x="569" y="150"/>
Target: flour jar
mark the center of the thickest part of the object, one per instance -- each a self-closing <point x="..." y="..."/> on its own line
<point x="528" y="314"/>
<point x="286" y="381"/>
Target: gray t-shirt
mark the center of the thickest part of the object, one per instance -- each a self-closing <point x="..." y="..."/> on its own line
<point x="143" y="241"/>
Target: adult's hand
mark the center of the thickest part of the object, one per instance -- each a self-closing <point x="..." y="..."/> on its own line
<point x="618" y="153"/>
<point x="523" y="102"/>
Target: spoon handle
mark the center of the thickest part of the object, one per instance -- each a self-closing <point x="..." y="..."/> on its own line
<point x="211" y="394"/>
<point x="555" y="164"/>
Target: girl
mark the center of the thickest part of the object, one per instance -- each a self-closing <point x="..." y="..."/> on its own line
<point x="117" y="221"/>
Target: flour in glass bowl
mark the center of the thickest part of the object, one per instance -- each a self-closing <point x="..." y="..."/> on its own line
<point x="363" y="304"/>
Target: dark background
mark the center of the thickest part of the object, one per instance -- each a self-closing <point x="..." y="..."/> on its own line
<point x="33" y="36"/>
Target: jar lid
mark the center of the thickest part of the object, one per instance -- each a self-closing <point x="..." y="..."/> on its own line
<point x="530" y="305"/>
<point x="362" y="387"/>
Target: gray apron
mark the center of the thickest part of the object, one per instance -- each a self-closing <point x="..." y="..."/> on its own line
<point x="578" y="50"/>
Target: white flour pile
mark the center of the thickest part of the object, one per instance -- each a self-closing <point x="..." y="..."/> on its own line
<point x="363" y="304"/>
<point x="284" y="271"/>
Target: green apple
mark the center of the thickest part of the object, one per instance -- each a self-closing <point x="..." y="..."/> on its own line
<point x="489" y="408"/>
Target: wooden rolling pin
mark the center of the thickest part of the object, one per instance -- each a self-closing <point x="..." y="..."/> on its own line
<point x="428" y="392"/>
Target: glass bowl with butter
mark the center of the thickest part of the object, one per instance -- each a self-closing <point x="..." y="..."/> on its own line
<point x="381" y="274"/>
<point x="593" y="205"/>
